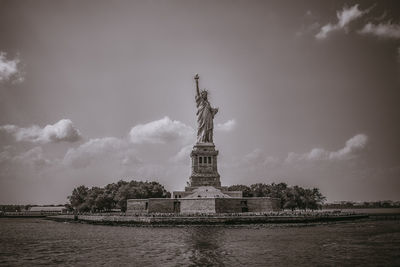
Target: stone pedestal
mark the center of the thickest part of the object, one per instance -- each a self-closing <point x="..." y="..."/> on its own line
<point x="204" y="167"/>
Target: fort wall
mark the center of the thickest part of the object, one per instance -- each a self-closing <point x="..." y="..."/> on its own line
<point x="136" y="205"/>
<point x="200" y="205"/>
<point x="161" y="205"/>
<point x="261" y="204"/>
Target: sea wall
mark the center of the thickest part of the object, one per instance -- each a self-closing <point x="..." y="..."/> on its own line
<point x="207" y="219"/>
<point x="202" y="205"/>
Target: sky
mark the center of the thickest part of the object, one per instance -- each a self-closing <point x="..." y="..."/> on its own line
<point x="92" y="92"/>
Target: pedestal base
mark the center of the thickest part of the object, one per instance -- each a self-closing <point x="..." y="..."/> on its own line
<point x="204" y="166"/>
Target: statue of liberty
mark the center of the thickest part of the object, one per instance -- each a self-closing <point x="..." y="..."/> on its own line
<point x="205" y="115"/>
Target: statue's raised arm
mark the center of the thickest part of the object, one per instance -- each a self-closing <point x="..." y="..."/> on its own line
<point x="196" y="78"/>
<point x="205" y="115"/>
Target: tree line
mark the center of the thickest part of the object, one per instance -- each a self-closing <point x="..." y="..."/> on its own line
<point x="363" y="205"/>
<point x="291" y="197"/>
<point x="114" y="195"/>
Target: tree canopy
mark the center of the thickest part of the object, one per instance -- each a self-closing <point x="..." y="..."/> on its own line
<point x="114" y="195"/>
<point x="291" y="197"/>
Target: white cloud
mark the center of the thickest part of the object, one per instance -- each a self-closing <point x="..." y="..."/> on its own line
<point x="183" y="156"/>
<point x="307" y="29"/>
<point x="161" y="131"/>
<point x="323" y="33"/>
<point x="107" y="148"/>
<point x="350" y="150"/>
<point x="63" y="130"/>
<point x="345" y="16"/>
<point x="348" y="15"/>
<point x="383" y="30"/>
<point x="255" y="156"/>
<point x="9" y="69"/>
<point x="258" y="157"/>
<point x="32" y="161"/>
<point x="33" y="157"/>
<point x="227" y="126"/>
<point x="353" y="145"/>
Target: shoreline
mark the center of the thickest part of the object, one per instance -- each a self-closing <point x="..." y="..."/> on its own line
<point x="214" y="219"/>
<point x="149" y="219"/>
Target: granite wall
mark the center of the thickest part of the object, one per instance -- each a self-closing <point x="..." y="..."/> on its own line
<point x="261" y="204"/>
<point x="197" y="205"/>
<point x="161" y="205"/>
<point x="136" y="205"/>
<point x="228" y="205"/>
<point x="254" y="204"/>
<point x="203" y="205"/>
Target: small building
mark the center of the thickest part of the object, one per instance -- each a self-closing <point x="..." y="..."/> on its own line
<point x="48" y="209"/>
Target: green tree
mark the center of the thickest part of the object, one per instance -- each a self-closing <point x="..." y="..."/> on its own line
<point x="139" y="190"/>
<point x="260" y="190"/>
<point x="114" y="195"/>
<point x="78" y="198"/>
<point x="290" y="198"/>
<point x="318" y="199"/>
<point x="244" y="188"/>
<point x="278" y="191"/>
<point x="294" y="197"/>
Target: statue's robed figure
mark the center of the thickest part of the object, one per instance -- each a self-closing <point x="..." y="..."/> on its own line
<point x="205" y="115"/>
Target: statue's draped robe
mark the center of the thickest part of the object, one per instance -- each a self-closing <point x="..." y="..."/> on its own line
<point x="205" y="115"/>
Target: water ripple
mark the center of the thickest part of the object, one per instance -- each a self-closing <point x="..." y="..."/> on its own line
<point x="40" y="242"/>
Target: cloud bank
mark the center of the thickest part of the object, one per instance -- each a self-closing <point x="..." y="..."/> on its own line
<point x="258" y="158"/>
<point x="9" y="69"/>
<point x="345" y="16"/>
<point x="33" y="157"/>
<point x="161" y="131"/>
<point x="63" y="130"/>
<point x="183" y="156"/>
<point x="382" y="30"/>
<point x="107" y="148"/>
<point x="349" y="151"/>
<point x="352" y="148"/>
<point x="227" y="126"/>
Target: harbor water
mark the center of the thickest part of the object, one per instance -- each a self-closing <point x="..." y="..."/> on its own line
<point x="35" y="241"/>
